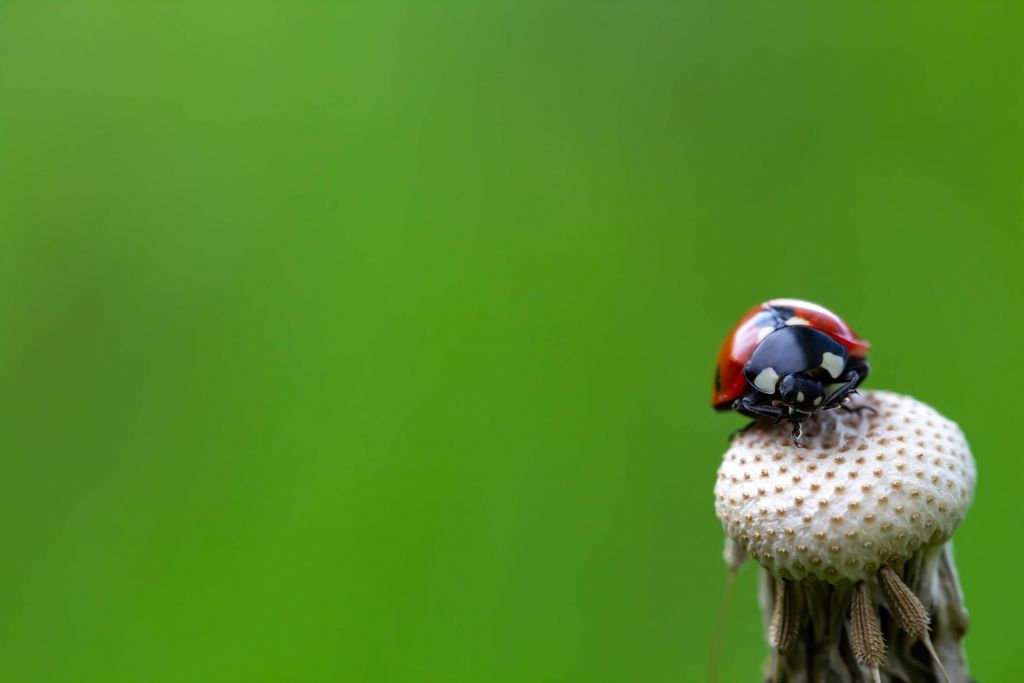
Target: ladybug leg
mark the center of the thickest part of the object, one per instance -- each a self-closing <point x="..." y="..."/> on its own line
<point x="751" y="408"/>
<point x="861" y="365"/>
<point x="852" y="380"/>
<point x="856" y="372"/>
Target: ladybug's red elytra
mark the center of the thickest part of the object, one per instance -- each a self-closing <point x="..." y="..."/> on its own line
<point x="786" y="359"/>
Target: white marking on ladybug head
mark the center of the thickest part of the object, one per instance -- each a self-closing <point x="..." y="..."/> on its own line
<point x="817" y="401"/>
<point x="764" y="332"/>
<point x="797" y="320"/>
<point x="800" y="396"/>
<point x="832" y="363"/>
<point x="766" y="380"/>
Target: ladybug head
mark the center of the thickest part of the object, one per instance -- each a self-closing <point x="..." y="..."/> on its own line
<point x="801" y="392"/>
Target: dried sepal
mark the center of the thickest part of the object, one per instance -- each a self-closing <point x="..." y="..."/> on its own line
<point x="865" y="630"/>
<point x="785" y="625"/>
<point x="906" y="607"/>
<point x="733" y="554"/>
<point x="909" y="611"/>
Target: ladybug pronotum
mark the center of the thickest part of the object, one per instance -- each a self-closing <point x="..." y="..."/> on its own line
<point x="786" y="359"/>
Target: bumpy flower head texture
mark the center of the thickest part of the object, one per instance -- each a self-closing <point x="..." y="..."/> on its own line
<point x="867" y="489"/>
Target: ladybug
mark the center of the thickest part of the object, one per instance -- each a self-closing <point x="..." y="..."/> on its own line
<point x="787" y="359"/>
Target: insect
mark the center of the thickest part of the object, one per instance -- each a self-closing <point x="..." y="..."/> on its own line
<point x="786" y="359"/>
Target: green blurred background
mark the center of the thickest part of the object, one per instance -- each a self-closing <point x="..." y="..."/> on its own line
<point x="372" y="342"/>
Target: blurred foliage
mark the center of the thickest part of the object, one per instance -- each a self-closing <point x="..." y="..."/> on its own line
<point x="372" y="341"/>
